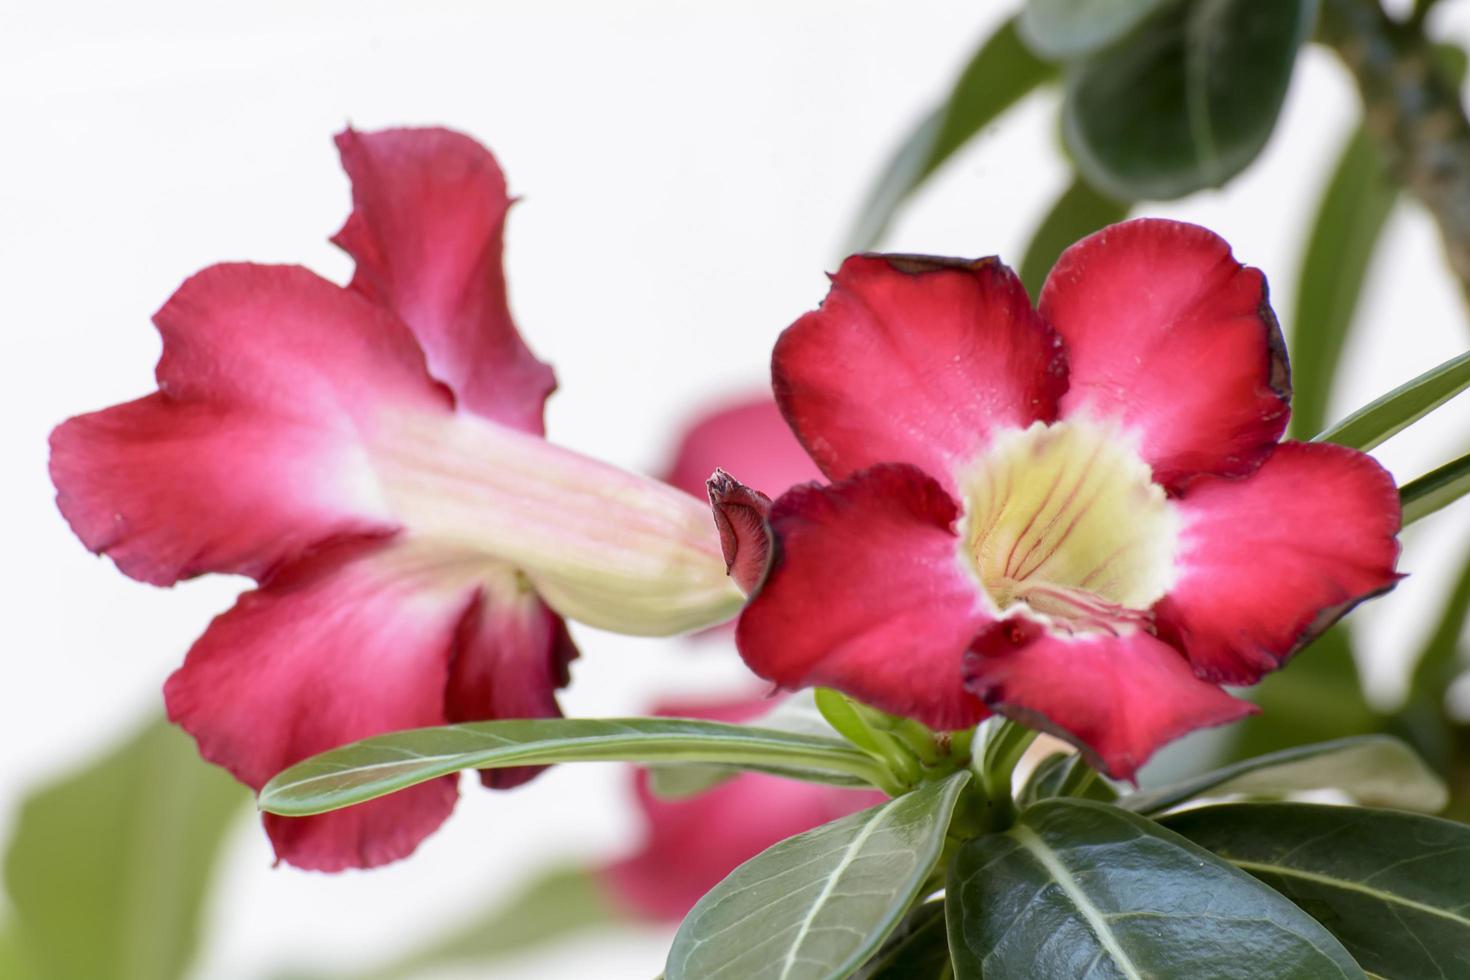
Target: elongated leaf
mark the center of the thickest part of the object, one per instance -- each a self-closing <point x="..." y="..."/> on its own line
<point x="818" y="905"/>
<point x="917" y="950"/>
<point x="1079" y="212"/>
<point x="1400" y="408"/>
<point x="108" y="869"/>
<point x="999" y="74"/>
<point x="377" y="766"/>
<point x="1187" y="101"/>
<point x="1435" y="490"/>
<point x="1423" y="718"/>
<point x="1391" y="886"/>
<point x="1059" y="774"/>
<point x="1373" y="769"/>
<point x="1345" y="233"/>
<point x="1060" y="30"/>
<point x="1077" y="888"/>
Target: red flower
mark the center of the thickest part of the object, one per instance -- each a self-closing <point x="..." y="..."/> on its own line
<point x="372" y="456"/>
<point x="1077" y="515"/>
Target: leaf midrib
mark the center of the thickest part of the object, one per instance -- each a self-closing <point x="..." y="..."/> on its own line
<point x="1343" y="884"/>
<point x="849" y="854"/>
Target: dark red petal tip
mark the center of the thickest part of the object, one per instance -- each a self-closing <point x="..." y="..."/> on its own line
<point x="745" y="535"/>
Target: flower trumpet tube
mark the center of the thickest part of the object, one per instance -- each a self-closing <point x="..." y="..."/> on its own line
<point x="373" y="457"/>
<point x="1078" y="515"/>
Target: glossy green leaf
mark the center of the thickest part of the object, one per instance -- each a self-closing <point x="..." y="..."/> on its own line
<point x="1435" y="490"/>
<point x="1400" y="408"/>
<point x="1393" y="887"/>
<point x="1372" y="769"/>
<point x="1064" y="774"/>
<point x="1077" y="888"/>
<point x="819" y="904"/>
<point x="917" y="950"/>
<point x="1187" y="101"/>
<point x="387" y="763"/>
<point x="1079" y="212"/>
<point x="108" y="868"/>
<point x="999" y="74"/>
<point x="1060" y="30"/>
<point x="1345" y="233"/>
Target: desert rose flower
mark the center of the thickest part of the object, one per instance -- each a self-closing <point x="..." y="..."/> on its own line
<point x="1077" y="515"/>
<point x="373" y="457"/>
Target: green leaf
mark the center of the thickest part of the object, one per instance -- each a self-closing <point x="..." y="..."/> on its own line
<point x="840" y="713"/>
<point x="1345" y="232"/>
<point x="819" y="904"/>
<point x="1187" y="100"/>
<point x="999" y="74"/>
<point x="1391" y="886"/>
<point x="917" y="950"/>
<point x="1060" y="775"/>
<point x="377" y="766"/>
<point x="1400" y="408"/>
<point x="1060" y="30"/>
<point x="1077" y="888"/>
<point x="1079" y="212"/>
<point x="1422" y="718"/>
<point x="1373" y="769"/>
<point x="108" y="869"/>
<point x="1435" y="490"/>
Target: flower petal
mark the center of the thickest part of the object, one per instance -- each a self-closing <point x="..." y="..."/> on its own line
<point x="916" y="360"/>
<point x="353" y="641"/>
<point x="742" y="516"/>
<point x="1167" y="332"/>
<point x="1269" y="561"/>
<point x="511" y="655"/>
<point x="749" y="439"/>
<point x="867" y="594"/>
<point x="1117" y="698"/>
<point x="250" y="451"/>
<point x="428" y="215"/>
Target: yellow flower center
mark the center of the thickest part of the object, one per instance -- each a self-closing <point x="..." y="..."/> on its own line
<point x="1066" y="518"/>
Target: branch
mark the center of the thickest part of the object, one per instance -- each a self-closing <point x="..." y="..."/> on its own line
<point x="1413" y="113"/>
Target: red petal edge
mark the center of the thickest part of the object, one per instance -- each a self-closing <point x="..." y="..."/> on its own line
<point x="748" y="437"/>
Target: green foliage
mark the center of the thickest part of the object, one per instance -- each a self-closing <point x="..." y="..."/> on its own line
<point x="998" y="76"/>
<point x="1075" y="887"/>
<point x="1187" y="100"/>
<point x="1435" y="490"/>
<point x="1391" y="886"/>
<point x="818" y="905"/>
<point x="1372" y="769"/>
<point x="917" y="950"/>
<point x="108" y="868"/>
<point x="1060" y="30"/>
<point x="376" y="766"/>
<point x="1402" y="407"/>
<point x="1079" y="212"/>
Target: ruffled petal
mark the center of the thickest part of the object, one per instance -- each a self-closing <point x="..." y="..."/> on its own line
<point x="742" y="516"/>
<point x="867" y="594"/>
<point x="1168" y="333"/>
<point x="428" y="215"/>
<point x="916" y="360"/>
<point x="511" y="655"/>
<point x="1117" y="698"/>
<point x="251" y="450"/>
<point x="1268" y="562"/>
<point x="353" y="641"/>
<point x="749" y="439"/>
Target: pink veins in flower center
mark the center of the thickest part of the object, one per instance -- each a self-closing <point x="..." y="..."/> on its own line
<point x="1066" y="519"/>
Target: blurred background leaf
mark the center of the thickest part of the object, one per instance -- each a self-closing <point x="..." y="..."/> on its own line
<point x="1079" y="212"/>
<point x="108" y="868"/>
<point x="1059" y="30"/>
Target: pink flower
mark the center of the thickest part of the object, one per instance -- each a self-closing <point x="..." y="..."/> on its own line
<point x="373" y="457"/>
<point x="1077" y="515"/>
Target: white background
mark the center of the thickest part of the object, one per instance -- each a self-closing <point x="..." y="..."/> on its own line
<point x="688" y="172"/>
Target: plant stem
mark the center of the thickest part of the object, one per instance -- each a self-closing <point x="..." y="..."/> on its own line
<point x="1413" y="113"/>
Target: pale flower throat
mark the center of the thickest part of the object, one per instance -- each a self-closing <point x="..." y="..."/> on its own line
<point x="1067" y="519"/>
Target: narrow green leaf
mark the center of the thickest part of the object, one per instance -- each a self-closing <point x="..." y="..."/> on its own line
<point x="1372" y="769"/>
<point x="1423" y="718"/>
<point x="917" y="950"/>
<point x="1060" y="30"/>
<point x="1061" y="775"/>
<point x="999" y="74"/>
<point x="1435" y="490"/>
<point x="1079" y="212"/>
<point x="845" y="720"/>
<point x="1391" y="886"/>
<point x="108" y="868"/>
<point x="1345" y="233"/>
<point x="816" y="906"/>
<point x="1187" y="101"/>
<point x="1402" y="407"/>
<point x="387" y="763"/>
<point x="1077" y="888"/>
